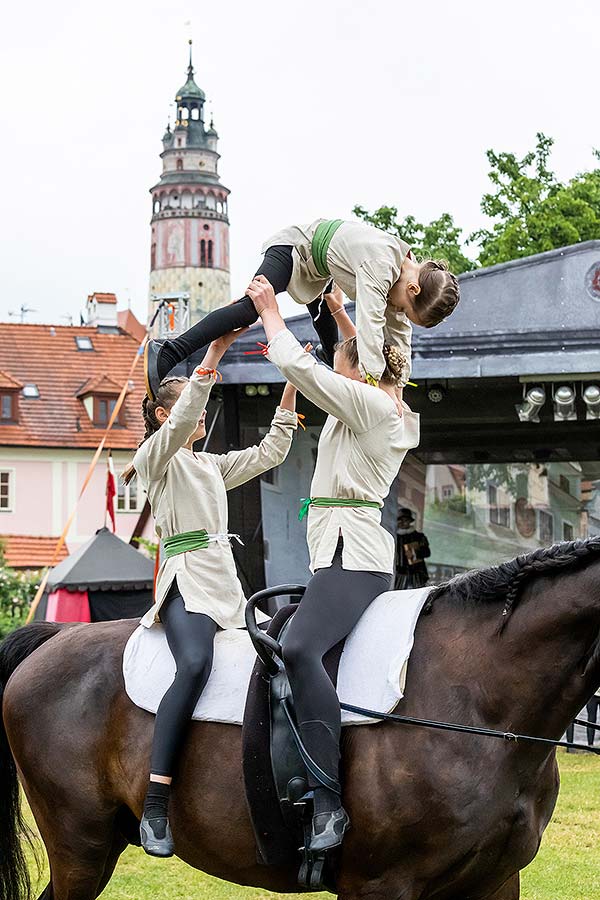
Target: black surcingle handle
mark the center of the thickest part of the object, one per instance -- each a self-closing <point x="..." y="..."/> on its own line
<point x="267" y="648"/>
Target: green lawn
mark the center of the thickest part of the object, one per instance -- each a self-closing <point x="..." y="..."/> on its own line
<point x="567" y="867"/>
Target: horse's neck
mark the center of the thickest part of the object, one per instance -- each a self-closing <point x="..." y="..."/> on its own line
<point x="533" y="672"/>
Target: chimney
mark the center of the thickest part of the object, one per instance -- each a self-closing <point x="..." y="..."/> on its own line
<point x="102" y="311"/>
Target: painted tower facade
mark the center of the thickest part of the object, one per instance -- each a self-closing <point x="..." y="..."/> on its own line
<point x="190" y="225"/>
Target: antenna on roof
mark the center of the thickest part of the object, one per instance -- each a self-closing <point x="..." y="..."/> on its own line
<point x="22" y="312"/>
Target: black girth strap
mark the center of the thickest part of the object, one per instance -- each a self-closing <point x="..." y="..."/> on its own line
<point x="465" y="729"/>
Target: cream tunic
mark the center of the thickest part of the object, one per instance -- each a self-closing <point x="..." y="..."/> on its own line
<point x="187" y="492"/>
<point x="362" y="446"/>
<point x="366" y="263"/>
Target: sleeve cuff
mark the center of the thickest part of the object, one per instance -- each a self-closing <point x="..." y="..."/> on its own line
<point x="286" y="416"/>
<point x="277" y="345"/>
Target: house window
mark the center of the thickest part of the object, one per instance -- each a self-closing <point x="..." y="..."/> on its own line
<point x="179" y="165"/>
<point x="83" y="342"/>
<point x="564" y="484"/>
<point x="447" y="491"/>
<point x="8" y="407"/>
<point x="127" y="497"/>
<point x="103" y="410"/>
<point x="31" y="391"/>
<point x="546" y="526"/>
<point x="568" y="531"/>
<point x="6" y="490"/>
<point x="499" y="511"/>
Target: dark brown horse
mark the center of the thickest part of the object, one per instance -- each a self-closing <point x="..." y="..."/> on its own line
<point x="434" y="815"/>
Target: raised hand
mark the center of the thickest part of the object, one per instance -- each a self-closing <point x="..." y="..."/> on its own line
<point x="261" y="292"/>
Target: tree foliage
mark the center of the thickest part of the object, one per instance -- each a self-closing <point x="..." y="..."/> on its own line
<point x="529" y="209"/>
<point x="440" y="239"/>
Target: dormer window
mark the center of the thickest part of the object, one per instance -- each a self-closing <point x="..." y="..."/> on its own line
<point x="9" y="399"/>
<point x="103" y="410"/>
<point x="84" y="342"/>
<point x="31" y="391"/>
<point x="8" y="403"/>
<point x="99" y="396"/>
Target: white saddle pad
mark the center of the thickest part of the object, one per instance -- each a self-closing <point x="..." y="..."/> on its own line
<point x="372" y="667"/>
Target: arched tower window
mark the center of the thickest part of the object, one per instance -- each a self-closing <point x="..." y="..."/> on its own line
<point x="210" y="254"/>
<point x="210" y="201"/>
<point x="203" y="253"/>
<point x="156" y="205"/>
<point x="195" y="113"/>
<point x="179" y="165"/>
<point x="153" y="256"/>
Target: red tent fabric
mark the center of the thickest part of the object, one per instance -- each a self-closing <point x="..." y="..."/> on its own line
<point x="68" y="606"/>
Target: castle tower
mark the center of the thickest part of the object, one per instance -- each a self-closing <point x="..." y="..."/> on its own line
<point x="190" y="228"/>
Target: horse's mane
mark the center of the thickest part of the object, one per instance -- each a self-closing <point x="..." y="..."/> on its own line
<point x="505" y="582"/>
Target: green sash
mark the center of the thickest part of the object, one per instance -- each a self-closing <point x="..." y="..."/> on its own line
<point x="323" y="502"/>
<point x="320" y="244"/>
<point x="187" y="540"/>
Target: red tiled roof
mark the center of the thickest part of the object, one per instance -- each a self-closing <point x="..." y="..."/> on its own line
<point x="28" y="551"/>
<point x="129" y="323"/>
<point x="47" y="355"/>
<point x="7" y="382"/>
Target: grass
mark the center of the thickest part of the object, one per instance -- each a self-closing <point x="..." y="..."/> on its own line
<point x="566" y="867"/>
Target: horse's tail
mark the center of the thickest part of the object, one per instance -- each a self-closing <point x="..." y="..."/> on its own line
<point x="14" y="873"/>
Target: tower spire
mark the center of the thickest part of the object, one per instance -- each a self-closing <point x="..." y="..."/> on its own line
<point x="190" y="67"/>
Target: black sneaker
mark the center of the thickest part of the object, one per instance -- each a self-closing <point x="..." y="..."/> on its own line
<point x="151" y="376"/>
<point x="156" y="836"/>
<point x="323" y="356"/>
<point x="328" y="830"/>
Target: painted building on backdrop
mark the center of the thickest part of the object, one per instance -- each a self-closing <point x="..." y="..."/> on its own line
<point x="189" y="252"/>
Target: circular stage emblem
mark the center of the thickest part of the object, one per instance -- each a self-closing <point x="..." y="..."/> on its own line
<point x="592" y="281"/>
<point x="525" y="517"/>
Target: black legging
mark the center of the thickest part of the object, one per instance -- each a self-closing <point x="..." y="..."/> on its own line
<point x="334" y="601"/>
<point x="277" y="268"/>
<point x="190" y="637"/>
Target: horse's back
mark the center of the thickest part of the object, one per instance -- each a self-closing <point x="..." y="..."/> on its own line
<point x="63" y="691"/>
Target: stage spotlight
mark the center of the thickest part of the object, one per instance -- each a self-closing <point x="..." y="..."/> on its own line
<point x="591" y="398"/>
<point x="250" y="390"/>
<point x="564" y="404"/>
<point x="435" y="393"/>
<point x="533" y="400"/>
<point x="263" y="390"/>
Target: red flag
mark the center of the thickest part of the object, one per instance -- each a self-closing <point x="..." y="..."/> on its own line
<point x="111" y="490"/>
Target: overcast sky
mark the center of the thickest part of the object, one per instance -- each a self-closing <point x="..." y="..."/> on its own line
<point x="319" y="105"/>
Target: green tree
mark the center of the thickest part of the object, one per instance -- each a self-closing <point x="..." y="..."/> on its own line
<point x="531" y="211"/>
<point x="440" y="239"/>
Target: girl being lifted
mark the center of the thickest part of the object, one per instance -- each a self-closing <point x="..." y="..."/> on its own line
<point x="371" y="266"/>
<point x="362" y="445"/>
<point x="197" y="588"/>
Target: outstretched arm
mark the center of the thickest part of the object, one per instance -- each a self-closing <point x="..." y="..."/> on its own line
<point x="335" y="302"/>
<point x="352" y="402"/>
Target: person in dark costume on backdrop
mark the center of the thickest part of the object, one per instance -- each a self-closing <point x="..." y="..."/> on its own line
<point x="412" y="549"/>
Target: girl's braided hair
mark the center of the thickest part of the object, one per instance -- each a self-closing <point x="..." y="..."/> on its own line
<point x="396" y="363"/>
<point x="166" y="396"/>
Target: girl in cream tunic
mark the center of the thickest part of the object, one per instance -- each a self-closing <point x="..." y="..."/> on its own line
<point x="374" y="268"/>
<point x="362" y="446"/>
<point x="197" y="588"/>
